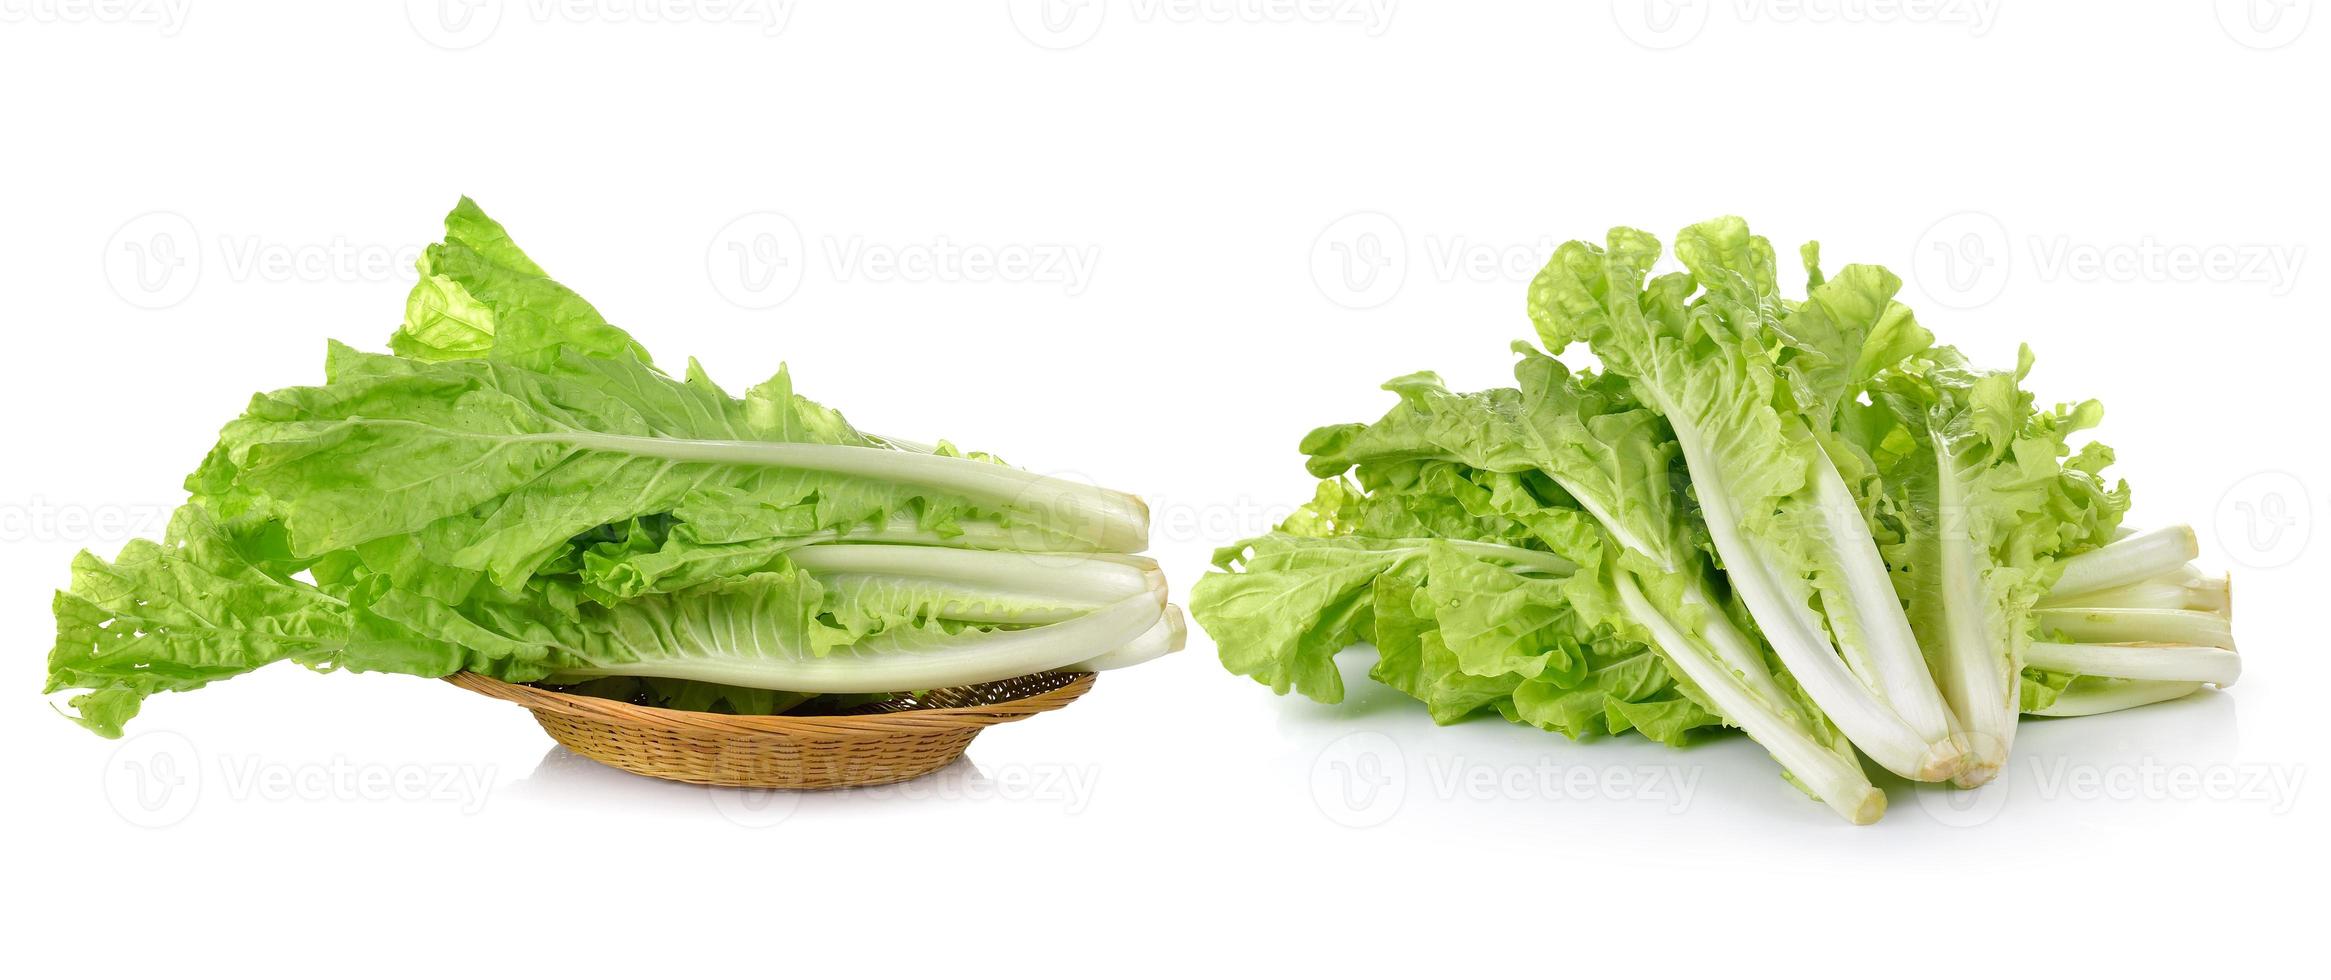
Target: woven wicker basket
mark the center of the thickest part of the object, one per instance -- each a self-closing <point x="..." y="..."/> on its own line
<point x="879" y="743"/>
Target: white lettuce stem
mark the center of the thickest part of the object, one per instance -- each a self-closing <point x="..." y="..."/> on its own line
<point x="2097" y="695"/>
<point x="995" y="587"/>
<point x="1110" y="520"/>
<point x="1889" y="647"/>
<point x="979" y="535"/>
<point x="1082" y="579"/>
<point x="1977" y="666"/>
<point x="976" y="535"/>
<point x="2128" y="561"/>
<point x="2139" y="661"/>
<point x="2179" y="626"/>
<point x="973" y="605"/>
<point x="904" y="445"/>
<point x="2173" y="592"/>
<point x="1788" y="624"/>
<point x="1521" y="559"/>
<point x="1168" y="635"/>
<point x="886" y="663"/>
<point x="2139" y="642"/>
<point x="1525" y="558"/>
<point x="1734" y="648"/>
<point x="1835" y="777"/>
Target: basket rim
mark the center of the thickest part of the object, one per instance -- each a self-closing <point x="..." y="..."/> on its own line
<point x="907" y="721"/>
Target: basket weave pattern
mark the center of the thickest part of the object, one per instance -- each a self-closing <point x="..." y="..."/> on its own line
<point x="884" y="742"/>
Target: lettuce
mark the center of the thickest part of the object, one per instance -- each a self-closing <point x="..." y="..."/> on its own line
<point x="1559" y="580"/>
<point x="1749" y="384"/>
<point x="1988" y="498"/>
<point x="519" y="491"/>
<point x="1796" y="517"/>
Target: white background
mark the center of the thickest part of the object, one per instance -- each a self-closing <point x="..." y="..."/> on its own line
<point x="2134" y="188"/>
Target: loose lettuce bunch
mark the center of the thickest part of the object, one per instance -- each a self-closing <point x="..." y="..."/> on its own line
<point x="1832" y="533"/>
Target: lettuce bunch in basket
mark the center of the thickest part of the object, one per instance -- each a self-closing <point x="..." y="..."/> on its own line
<point x="517" y="490"/>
